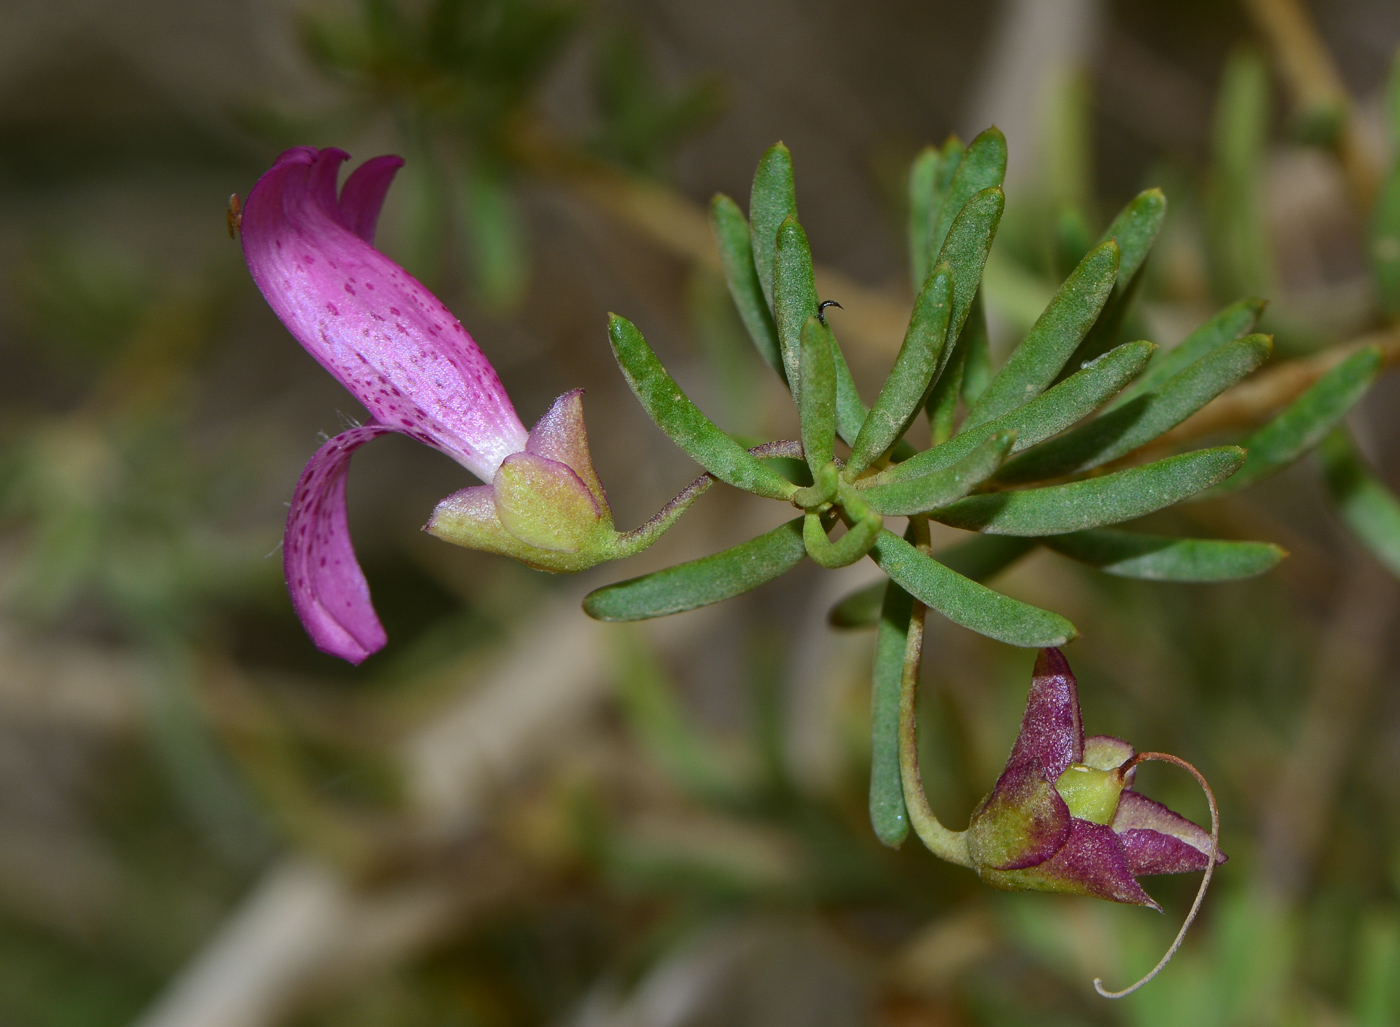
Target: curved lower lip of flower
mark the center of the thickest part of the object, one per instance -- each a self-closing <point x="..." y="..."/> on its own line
<point x="545" y="506"/>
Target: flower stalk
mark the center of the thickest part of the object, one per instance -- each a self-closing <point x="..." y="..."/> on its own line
<point x="942" y="842"/>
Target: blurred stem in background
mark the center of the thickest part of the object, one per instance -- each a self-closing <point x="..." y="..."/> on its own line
<point x="1239" y="246"/>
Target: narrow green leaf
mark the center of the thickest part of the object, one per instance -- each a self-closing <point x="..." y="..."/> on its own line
<point x="1233" y="322"/>
<point x="967" y="603"/>
<point x="977" y="370"/>
<point x="983" y="166"/>
<point x="923" y="180"/>
<point x="702" y="582"/>
<point x="942" y="405"/>
<point x="904" y="390"/>
<point x="1110" y="499"/>
<point x="965" y="250"/>
<point x="980" y="558"/>
<point x="1235" y="229"/>
<point x="1307" y="420"/>
<point x="952" y="152"/>
<point x="983" y="557"/>
<point x="850" y="411"/>
<point x="1129" y="554"/>
<point x="1124" y="429"/>
<point x="736" y="254"/>
<point x="1054" y="411"/>
<point x="950" y="159"/>
<point x="1363" y="502"/>
<point x="940" y="488"/>
<point x="683" y="421"/>
<point x="818" y="405"/>
<point x="773" y="199"/>
<point x="1108" y="329"/>
<point x="1034" y="364"/>
<point x="1134" y="229"/>
<point x="1072" y="238"/>
<point x="794" y="295"/>
<point x="888" y="816"/>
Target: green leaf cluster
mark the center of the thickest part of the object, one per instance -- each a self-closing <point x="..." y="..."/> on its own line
<point x="1059" y="445"/>
<point x="1042" y="448"/>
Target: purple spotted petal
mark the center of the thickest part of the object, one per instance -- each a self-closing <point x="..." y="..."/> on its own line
<point x="1051" y="730"/>
<point x="329" y="591"/>
<point x="382" y="334"/>
<point x="1158" y="840"/>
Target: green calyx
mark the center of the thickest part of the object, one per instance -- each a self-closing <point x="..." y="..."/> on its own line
<point x="475" y="526"/>
<point x="542" y="513"/>
<point x="470" y="523"/>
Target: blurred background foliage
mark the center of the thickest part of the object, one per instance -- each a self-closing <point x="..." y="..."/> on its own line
<point x="515" y="815"/>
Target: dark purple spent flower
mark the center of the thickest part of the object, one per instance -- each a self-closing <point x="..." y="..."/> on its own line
<point x="1061" y="816"/>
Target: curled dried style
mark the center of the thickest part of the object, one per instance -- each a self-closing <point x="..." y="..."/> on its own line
<point x="1214" y="854"/>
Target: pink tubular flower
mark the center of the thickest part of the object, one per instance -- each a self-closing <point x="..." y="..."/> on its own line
<point x="1063" y="816"/>
<point x="410" y="362"/>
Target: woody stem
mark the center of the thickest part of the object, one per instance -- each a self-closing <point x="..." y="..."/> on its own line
<point x="946" y="844"/>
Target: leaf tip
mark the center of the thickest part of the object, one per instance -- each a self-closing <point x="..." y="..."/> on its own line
<point x="721" y="202"/>
<point x="993" y="135"/>
<point x="593" y="607"/>
<point x="790" y="227"/>
<point x="777" y="154"/>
